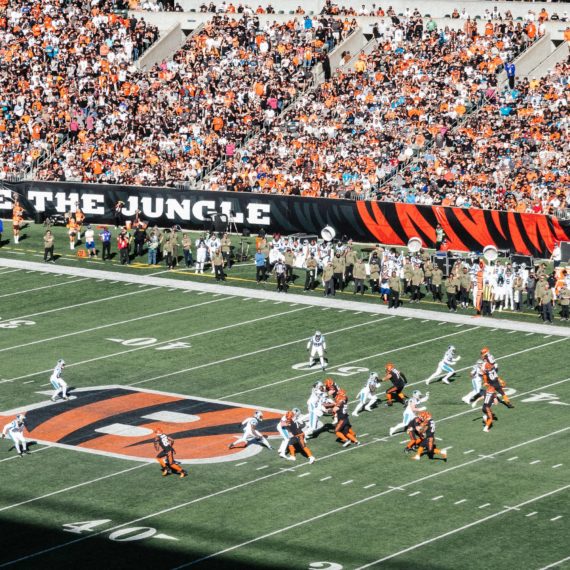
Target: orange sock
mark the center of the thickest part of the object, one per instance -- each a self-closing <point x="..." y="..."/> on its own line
<point x="420" y="450"/>
<point x="340" y="436"/>
<point x="351" y="435"/>
<point x="292" y="450"/>
<point x="162" y="462"/>
<point x="307" y="452"/>
<point x="176" y="468"/>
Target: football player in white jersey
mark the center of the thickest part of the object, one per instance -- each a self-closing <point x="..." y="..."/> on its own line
<point x="318" y="346"/>
<point x="251" y="433"/>
<point x="509" y="284"/>
<point x="58" y="383"/>
<point x="445" y="366"/>
<point x="476" y="381"/>
<point x="15" y="430"/>
<point x="367" y="396"/>
<point x="411" y="410"/>
<point x="315" y="405"/>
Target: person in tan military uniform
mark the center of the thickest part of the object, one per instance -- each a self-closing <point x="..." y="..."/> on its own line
<point x="339" y="266"/>
<point x="436" y="284"/>
<point x="226" y="248"/>
<point x="564" y="301"/>
<point x="187" y="250"/>
<point x="541" y="285"/>
<point x="518" y="288"/>
<point x="408" y="271"/>
<point x="416" y="281"/>
<point x="170" y="250"/>
<point x="428" y="273"/>
<point x="452" y="288"/>
<point x="218" y="263"/>
<point x="311" y="275"/>
<point x="289" y="261"/>
<point x="48" y="247"/>
<point x="375" y="275"/>
<point x="546" y="300"/>
<point x="359" y="273"/>
<point x="328" y="280"/>
<point x="465" y="286"/>
<point x="350" y="261"/>
<point x="395" y="285"/>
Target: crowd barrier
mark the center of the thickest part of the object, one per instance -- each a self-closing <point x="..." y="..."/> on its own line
<point x="362" y="221"/>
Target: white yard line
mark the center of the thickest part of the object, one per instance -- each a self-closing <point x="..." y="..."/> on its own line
<point x="464" y="527"/>
<point x="116" y="323"/>
<point x="218" y="329"/>
<point x="66" y="307"/>
<point x="556" y="564"/>
<point x="43" y="287"/>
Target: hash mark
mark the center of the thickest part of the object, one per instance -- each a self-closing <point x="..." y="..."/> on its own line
<point x="534" y="462"/>
<point x="242" y="463"/>
<point x="529" y="334"/>
<point x="468" y="451"/>
<point x="408" y="319"/>
<point x="512" y="332"/>
<point x="304" y="474"/>
<point x="547" y="336"/>
<point x="457" y="326"/>
<point x="414" y="493"/>
<point x="28" y="382"/>
<point x="442" y="323"/>
<point x="325" y="309"/>
<point x="364" y="434"/>
<point x="370" y="486"/>
<point x="553" y="467"/>
<point x="484" y="505"/>
<point x="359" y="313"/>
<point x="556" y="518"/>
<point x="425" y="321"/>
<point x="512" y="458"/>
<point x="326" y="478"/>
<point x="348" y="482"/>
<point x="262" y="467"/>
<point x="437" y="498"/>
<point x="459" y="502"/>
<point x="532" y="514"/>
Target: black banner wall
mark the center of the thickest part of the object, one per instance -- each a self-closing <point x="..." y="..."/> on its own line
<point x="388" y="223"/>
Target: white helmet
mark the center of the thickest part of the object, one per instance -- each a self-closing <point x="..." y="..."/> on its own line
<point x="319" y="385"/>
<point x="451" y="347"/>
<point x="61" y="362"/>
<point x="373" y="376"/>
<point x="296" y="412"/>
<point x="416" y="394"/>
<point x="317" y="333"/>
<point x="258" y="415"/>
<point x="21" y="417"/>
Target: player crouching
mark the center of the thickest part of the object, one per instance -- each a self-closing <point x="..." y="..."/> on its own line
<point x="343" y="428"/>
<point x="427" y="444"/>
<point x="164" y="445"/>
<point x="250" y="432"/>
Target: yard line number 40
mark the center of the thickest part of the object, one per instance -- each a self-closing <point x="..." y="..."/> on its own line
<point x="130" y="534"/>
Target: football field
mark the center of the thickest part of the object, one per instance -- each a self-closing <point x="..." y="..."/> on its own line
<point x="197" y="361"/>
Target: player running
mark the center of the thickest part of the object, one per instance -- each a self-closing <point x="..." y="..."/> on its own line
<point x="428" y="443"/>
<point x="297" y="438"/>
<point x="399" y="381"/>
<point x="164" y="445"/>
<point x="489" y="399"/>
<point x="283" y="429"/>
<point x="367" y="396"/>
<point x="58" y="383"/>
<point x="476" y="381"/>
<point x="250" y="432"/>
<point x="445" y="366"/>
<point x="318" y="347"/>
<point x="411" y="411"/>
<point x="15" y="430"/>
<point x="343" y="428"/>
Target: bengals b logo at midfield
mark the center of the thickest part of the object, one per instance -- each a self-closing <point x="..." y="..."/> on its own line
<point x="119" y="421"/>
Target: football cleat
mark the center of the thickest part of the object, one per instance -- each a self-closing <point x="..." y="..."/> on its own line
<point x="486" y="428"/>
<point x="346" y="443"/>
<point x="291" y="458"/>
<point x="416" y="457"/>
<point x="183" y="474"/>
<point x="465" y="399"/>
<point x="311" y="459"/>
<point x="165" y="472"/>
<point x="392" y="431"/>
<point x="355" y="414"/>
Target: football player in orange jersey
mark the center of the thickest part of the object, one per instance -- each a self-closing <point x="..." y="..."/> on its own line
<point x="398" y="383"/>
<point x="428" y="443"/>
<point x="297" y="438"/>
<point x="343" y="428"/>
<point x="164" y="445"/>
<point x="492" y="378"/>
<point x="488" y="401"/>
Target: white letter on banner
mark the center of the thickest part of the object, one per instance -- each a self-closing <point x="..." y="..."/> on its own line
<point x="64" y="203"/>
<point x="39" y="198"/>
<point x="147" y="208"/>
<point x="201" y="208"/>
<point x="131" y="206"/>
<point x="226" y="208"/>
<point x="254" y="214"/>
<point x="177" y="210"/>
<point x="93" y="203"/>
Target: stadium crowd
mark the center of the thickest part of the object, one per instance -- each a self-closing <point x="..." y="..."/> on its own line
<point x="345" y="137"/>
<point x="176" y="120"/>
<point x="60" y="61"/>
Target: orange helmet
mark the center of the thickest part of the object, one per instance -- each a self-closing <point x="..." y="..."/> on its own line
<point x="424" y="416"/>
<point x="389" y="367"/>
<point x="158" y="431"/>
<point x="289" y="416"/>
<point x="329" y="383"/>
<point x="484" y="351"/>
<point x="341" y="395"/>
<point x="488" y="366"/>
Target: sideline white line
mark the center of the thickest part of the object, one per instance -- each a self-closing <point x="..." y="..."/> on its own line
<point x="108" y="325"/>
<point x="464" y="527"/>
<point x="80" y="304"/>
<point x="556" y="564"/>
<point x="218" y="329"/>
<point x="18" y="457"/>
<point x="366" y="500"/>
<point x="44" y="287"/>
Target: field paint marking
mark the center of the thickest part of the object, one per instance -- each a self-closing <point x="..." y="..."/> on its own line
<point x="468" y="451"/>
<point x="414" y="493"/>
<point x="83" y="304"/>
<point x="395" y="488"/>
<point x="240" y="464"/>
<point x="534" y="462"/>
<point x="512" y="332"/>
<point x="370" y="486"/>
<point x="547" y="336"/>
<point x="460" y="501"/>
<point x="532" y="514"/>
<point x="29" y="382"/>
<point x="14" y="270"/>
<point x="484" y="505"/>
<point x="442" y="323"/>
<point x="152" y="315"/>
<point x="348" y="482"/>
<point x="356" y="361"/>
<point x="555" y="564"/>
<point x="408" y="319"/>
<point x="350" y="505"/>
<point x="464" y="527"/>
<point x="529" y="334"/>
<point x="557" y="465"/>
<point x="225" y="327"/>
<point x="437" y="498"/>
<point x="512" y="458"/>
<point x="262" y="467"/>
<point x="44" y="287"/>
<point x="426" y="321"/>
<point x="458" y="326"/>
<point x="364" y="434"/>
<point x="325" y="478"/>
<point x="253" y="353"/>
<point x="18" y="457"/>
<point x="304" y="474"/>
<point x="555" y="519"/>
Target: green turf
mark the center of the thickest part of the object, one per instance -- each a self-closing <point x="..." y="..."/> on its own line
<point x="269" y="513"/>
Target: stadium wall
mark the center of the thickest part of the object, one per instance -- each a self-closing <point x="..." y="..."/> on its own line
<point x="363" y="221"/>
